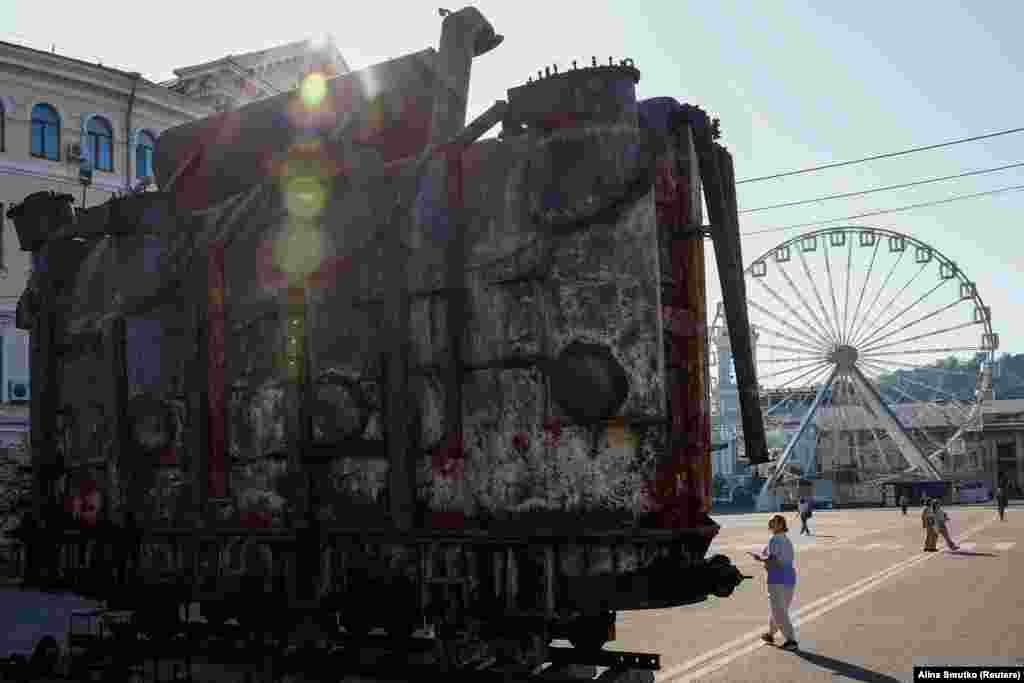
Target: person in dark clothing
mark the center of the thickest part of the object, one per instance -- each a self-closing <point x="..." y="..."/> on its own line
<point x="940" y="522"/>
<point x="1002" y="500"/>
<point x="931" y="536"/>
<point x="804" y="508"/>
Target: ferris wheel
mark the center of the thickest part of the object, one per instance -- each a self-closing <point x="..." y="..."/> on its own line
<point x="873" y="353"/>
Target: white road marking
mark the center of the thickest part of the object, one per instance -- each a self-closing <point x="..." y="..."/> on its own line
<point x="814" y="610"/>
<point x="1005" y="545"/>
<point x="872" y="546"/>
<point x="968" y="546"/>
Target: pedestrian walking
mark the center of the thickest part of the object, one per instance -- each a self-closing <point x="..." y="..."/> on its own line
<point x="777" y="558"/>
<point x="940" y="521"/>
<point x="903" y="503"/>
<point x="1002" y="500"/>
<point x="928" y="523"/>
<point x="804" y="508"/>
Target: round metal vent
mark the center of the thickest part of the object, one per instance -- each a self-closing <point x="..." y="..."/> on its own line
<point x="588" y="382"/>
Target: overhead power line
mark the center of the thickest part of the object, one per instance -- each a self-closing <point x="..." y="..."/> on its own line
<point x="898" y="209"/>
<point x="879" y="156"/>
<point x="846" y="195"/>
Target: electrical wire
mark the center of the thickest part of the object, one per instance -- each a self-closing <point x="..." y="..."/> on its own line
<point x="879" y="156"/>
<point x="1012" y="188"/>
<point x="846" y="195"/>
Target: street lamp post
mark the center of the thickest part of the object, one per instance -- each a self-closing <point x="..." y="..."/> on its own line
<point x="85" y="176"/>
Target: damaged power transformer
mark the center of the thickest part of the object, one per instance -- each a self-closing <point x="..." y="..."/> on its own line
<point x="355" y="350"/>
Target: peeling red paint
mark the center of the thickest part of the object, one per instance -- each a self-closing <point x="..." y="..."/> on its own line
<point x="447" y="519"/>
<point x="255" y="519"/>
<point x="679" y="493"/>
<point x="552" y="432"/>
<point x="453" y="159"/>
<point x="216" y="469"/>
<point x="564" y="119"/>
<point x="682" y="322"/>
<point x="521" y="442"/>
<point x="327" y="273"/>
<point x="84" y="502"/>
<point x="399" y="136"/>
<point x="168" y="456"/>
<point x="670" y="201"/>
<point x="671" y="496"/>
<point x="449" y="457"/>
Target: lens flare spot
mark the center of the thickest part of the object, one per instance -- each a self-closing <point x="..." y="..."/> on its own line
<point x="305" y="196"/>
<point x="300" y="250"/>
<point x="313" y="90"/>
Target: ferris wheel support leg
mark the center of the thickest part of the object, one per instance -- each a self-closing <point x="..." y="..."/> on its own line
<point x="765" y="498"/>
<point x="899" y="434"/>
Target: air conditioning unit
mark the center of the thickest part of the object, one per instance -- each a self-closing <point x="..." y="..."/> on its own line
<point x="17" y="390"/>
<point x="74" y="152"/>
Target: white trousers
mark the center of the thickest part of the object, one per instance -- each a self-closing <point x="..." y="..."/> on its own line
<point x="780" y="596"/>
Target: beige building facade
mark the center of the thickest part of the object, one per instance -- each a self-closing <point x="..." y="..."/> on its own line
<point x="55" y="112"/>
<point x="235" y="80"/>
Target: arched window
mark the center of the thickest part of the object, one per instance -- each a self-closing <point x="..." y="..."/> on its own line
<point x="45" y="132"/>
<point x="144" y="155"/>
<point x="101" y="143"/>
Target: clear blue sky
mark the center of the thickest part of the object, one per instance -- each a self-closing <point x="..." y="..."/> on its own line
<point x="795" y="84"/>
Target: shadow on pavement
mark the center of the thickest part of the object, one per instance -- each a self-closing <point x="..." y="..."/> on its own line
<point x="968" y="553"/>
<point x="845" y="669"/>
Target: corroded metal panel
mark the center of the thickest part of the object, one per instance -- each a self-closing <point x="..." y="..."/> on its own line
<point x="577" y="374"/>
<point x="386" y="106"/>
<point x="546" y="272"/>
<point x="381" y="324"/>
<point x="681" y="487"/>
<point x="216" y="466"/>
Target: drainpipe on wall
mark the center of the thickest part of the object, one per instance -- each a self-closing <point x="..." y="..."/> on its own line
<point x="128" y="133"/>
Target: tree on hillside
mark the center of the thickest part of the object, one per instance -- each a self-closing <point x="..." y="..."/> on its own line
<point x="719" y="486"/>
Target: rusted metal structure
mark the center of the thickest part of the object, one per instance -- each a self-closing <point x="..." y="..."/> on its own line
<point x="352" y="356"/>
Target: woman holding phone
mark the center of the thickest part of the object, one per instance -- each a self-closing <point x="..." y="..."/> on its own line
<point x="777" y="558"/>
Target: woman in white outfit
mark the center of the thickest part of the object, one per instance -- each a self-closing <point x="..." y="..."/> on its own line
<point x="778" y="561"/>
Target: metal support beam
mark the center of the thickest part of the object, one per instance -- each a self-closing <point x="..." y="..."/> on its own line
<point x="719" y="183"/>
<point x="896" y="430"/>
<point x="804" y="424"/>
